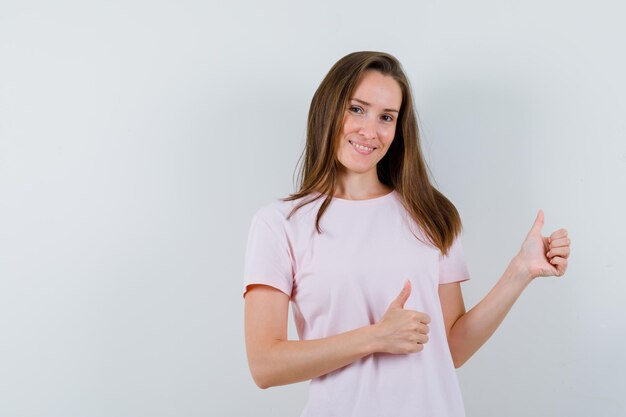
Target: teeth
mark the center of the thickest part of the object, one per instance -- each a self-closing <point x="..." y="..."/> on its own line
<point x="365" y="148"/>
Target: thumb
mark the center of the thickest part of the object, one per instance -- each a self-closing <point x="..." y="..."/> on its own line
<point x="538" y="225"/>
<point x="403" y="296"/>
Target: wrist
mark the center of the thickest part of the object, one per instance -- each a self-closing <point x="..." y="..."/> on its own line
<point x="373" y="341"/>
<point x="519" y="271"/>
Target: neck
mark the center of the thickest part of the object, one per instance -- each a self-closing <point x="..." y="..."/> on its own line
<point x="361" y="186"/>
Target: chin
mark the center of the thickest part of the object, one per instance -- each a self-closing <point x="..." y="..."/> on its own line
<point x="357" y="169"/>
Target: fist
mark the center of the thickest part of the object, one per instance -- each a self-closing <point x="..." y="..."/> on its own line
<point x="545" y="256"/>
<point x="402" y="331"/>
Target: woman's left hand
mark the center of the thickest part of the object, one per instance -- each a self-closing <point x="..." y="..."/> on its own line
<point x="544" y="256"/>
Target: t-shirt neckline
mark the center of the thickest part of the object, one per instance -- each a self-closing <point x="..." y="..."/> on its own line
<point x="366" y="201"/>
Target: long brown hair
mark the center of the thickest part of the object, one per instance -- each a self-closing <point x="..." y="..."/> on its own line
<point x="403" y="167"/>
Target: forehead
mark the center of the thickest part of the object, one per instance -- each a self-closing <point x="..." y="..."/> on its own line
<point x="378" y="89"/>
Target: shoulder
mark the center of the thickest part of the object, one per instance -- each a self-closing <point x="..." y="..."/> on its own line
<point x="277" y="211"/>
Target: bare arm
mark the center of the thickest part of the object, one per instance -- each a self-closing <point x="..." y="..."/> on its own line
<point x="274" y="360"/>
<point x="539" y="256"/>
<point x="469" y="331"/>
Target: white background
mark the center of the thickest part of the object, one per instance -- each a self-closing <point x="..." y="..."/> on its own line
<point x="137" y="138"/>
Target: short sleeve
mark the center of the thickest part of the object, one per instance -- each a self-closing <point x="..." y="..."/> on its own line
<point x="452" y="267"/>
<point x="268" y="258"/>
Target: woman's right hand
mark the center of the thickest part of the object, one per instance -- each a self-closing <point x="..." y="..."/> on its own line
<point x="401" y="331"/>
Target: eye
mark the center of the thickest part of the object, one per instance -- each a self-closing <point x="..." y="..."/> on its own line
<point x="355" y="109"/>
<point x="387" y="118"/>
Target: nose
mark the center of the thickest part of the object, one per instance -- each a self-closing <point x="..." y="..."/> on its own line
<point x="367" y="129"/>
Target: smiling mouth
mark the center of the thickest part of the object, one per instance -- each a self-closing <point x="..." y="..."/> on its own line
<point x="361" y="147"/>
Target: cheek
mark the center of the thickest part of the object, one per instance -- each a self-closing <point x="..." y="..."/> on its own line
<point x="349" y="125"/>
<point x="388" y="134"/>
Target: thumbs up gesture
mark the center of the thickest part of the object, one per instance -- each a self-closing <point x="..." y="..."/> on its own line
<point x="400" y="330"/>
<point x="544" y="256"/>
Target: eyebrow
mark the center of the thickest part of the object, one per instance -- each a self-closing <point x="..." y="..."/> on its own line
<point x="365" y="103"/>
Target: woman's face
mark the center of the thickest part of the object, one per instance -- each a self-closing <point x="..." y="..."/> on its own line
<point x="369" y="122"/>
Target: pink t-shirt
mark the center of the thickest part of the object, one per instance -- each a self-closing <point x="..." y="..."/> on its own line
<point x="345" y="278"/>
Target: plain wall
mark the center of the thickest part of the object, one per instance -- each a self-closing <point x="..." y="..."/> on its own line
<point x="138" y="138"/>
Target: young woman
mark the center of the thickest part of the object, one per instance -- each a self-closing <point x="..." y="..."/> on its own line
<point x="368" y="252"/>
